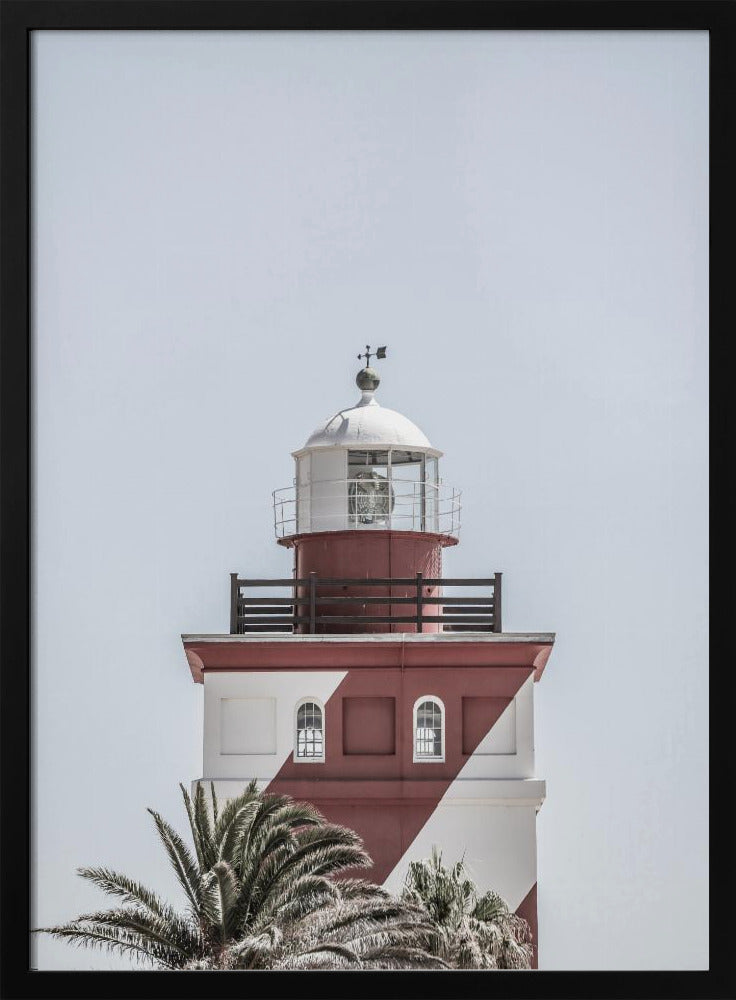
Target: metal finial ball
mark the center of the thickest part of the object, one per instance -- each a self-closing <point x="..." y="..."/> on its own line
<point x="367" y="379"/>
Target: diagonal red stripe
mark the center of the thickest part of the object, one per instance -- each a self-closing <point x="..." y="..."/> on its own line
<point x="386" y="797"/>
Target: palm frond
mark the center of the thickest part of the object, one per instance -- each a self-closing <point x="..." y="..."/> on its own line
<point x="117" y="884"/>
<point x="314" y="841"/>
<point x="358" y="888"/>
<point x="259" y="865"/>
<point x="324" y="959"/>
<point x="334" y="949"/>
<point x="116" y="940"/>
<point x="490" y="906"/>
<point x="398" y="957"/>
<point x="249" y="797"/>
<point x="229" y="827"/>
<point x="182" y="861"/>
<point x="360" y="921"/>
<point x="219" y="900"/>
<point x="256" y="951"/>
<point x="297" y="899"/>
<point x="213" y="800"/>
<point x="177" y="936"/>
<point x="317" y="859"/>
<point x="203" y="822"/>
<point x="196" y="839"/>
<point x="281" y="810"/>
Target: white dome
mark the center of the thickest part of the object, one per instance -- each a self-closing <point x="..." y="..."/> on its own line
<point x="368" y="424"/>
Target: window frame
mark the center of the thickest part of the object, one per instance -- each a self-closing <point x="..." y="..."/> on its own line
<point x="309" y="700"/>
<point x="423" y="758"/>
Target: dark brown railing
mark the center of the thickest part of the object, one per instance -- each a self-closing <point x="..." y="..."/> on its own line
<point x="303" y="609"/>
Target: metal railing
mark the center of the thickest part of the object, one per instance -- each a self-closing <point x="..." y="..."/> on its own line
<point x="338" y="504"/>
<point x="304" y="607"/>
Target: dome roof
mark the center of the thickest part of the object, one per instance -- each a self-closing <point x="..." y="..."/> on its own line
<point x="368" y="424"/>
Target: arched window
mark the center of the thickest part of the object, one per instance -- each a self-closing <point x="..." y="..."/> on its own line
<point x="429" y="729"/>
<point x="310" y="732"/>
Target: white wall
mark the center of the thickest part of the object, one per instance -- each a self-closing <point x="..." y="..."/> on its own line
<point x="249" y="719"/>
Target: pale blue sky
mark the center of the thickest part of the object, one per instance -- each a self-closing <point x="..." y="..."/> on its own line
<point x="222" y="221"/>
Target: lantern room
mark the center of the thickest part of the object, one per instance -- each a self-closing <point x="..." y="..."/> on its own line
<point x="367" y="468"/>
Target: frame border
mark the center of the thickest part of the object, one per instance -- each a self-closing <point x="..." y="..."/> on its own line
<point x="18" y="18"/>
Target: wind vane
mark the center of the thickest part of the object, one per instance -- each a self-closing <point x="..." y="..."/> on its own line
<point x="379" y="353"/>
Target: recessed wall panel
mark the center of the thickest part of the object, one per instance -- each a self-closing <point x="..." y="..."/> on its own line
<point x="489" y="725"/>
<point x="369" y="725"/>
<point x="247" y="725"/>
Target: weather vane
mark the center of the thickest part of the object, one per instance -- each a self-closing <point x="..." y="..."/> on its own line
<point x="379" y="353"/>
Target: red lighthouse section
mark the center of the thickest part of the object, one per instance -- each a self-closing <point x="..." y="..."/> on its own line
<point x="355" y="574"/>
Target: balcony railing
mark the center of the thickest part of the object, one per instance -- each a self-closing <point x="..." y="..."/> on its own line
<point x="364" y="504"/>
<point x="306" y="608"/>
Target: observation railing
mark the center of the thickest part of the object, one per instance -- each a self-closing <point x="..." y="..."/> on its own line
<point x="365" y="504"/>
<point x="302" y="609"/>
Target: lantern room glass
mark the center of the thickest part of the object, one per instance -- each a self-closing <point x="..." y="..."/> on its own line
<point x="407" y="480"/>
<point x="431" y="494"/>
<point x="392" y="489"/>
<point x="370" y="497"/>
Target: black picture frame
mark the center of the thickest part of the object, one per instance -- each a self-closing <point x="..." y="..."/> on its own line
<point x="19" y="18"/>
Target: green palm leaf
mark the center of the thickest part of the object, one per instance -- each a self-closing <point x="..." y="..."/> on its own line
<point x="219" y="900"/>
<point x="204" y="826"/>
<point x="213" y="800"/>
<point x="116" y="884"/>
<point x="250" y="798"/>
<point x="176" y="936"/>
<point x="300" y="898"/>
<point x="116" y="939"/>
<point x="183" y="863"/>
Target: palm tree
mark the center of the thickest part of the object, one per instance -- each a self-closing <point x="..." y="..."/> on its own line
<point x="361" y="927"/>
<point x="261" y="894"/>
<point x="471" y="931"/>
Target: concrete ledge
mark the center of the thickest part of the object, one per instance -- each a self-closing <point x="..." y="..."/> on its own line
<point x="377" y="637"/>
<point x="403" y="650"/>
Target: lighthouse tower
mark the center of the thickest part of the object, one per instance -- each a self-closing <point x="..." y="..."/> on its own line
<point x="367" y="682"/>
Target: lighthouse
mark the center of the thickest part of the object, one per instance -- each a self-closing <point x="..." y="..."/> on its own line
<point x="369" y="683"/>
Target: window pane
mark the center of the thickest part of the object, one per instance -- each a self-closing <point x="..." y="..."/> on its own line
<point x="309" y="731"/>
<point x="428" y="741"/>
<point x="361" y="459"/>
<point x="431" y="498"/>
<point x="407" y="480"/>
<point x="370" y="498"/>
